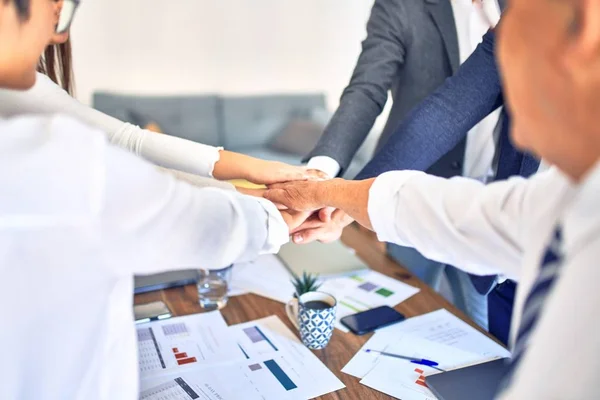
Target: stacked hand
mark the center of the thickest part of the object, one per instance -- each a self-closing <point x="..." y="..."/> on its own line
<point x="307" y="218"/>
<point x="323" y="223"/>
<point x="270" y="172"/>
<point x="239" y="166"/>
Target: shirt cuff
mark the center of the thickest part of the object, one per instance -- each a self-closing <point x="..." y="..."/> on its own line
<point x="383" y="201"/>
<point x="278" y="232"/>
<point x="324" y="164"/>
<point x="212" y="157"/>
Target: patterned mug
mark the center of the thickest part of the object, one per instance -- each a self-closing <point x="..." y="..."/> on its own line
<point x="313" y="314"/>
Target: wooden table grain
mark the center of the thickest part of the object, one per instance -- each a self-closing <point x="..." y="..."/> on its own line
<point x="343" y="346"/>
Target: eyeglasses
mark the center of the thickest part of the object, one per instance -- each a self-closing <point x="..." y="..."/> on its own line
<point x="66" y="15"/>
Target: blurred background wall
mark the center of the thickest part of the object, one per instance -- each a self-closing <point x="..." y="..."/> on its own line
<point x="221" y="46"/>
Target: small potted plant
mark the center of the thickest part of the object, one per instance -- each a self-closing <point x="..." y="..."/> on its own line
<point x="305" y="283"/>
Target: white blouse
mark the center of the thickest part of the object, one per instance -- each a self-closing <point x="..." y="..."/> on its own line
<point x="78" y="218"/>
<point x="163" y="150"/>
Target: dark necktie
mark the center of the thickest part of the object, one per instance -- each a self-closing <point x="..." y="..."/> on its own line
<point x="549" y="272"/>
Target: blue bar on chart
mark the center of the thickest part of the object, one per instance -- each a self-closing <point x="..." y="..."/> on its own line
<point x="281" y="376"/>
<point x="256" y="335"/>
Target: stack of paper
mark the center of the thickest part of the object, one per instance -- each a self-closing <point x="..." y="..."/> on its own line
<point x="259" y="360"/>
<point x="438" y="336"/>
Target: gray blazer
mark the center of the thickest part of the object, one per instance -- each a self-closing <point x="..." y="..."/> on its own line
<point x="411" y="48"/>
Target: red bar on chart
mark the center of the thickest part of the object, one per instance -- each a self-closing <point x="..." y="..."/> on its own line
<point x="175" y="350"/>
<point x="421" y="379"/>
<point x="181" y="355"/>
<point x="186" y="361"/>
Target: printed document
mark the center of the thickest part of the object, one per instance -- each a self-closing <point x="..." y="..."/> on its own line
<point x="270" y="364"/>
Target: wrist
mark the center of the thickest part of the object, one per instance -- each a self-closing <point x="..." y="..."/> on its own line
<point x="233" y="166"/>
<point x="332" y="190"/>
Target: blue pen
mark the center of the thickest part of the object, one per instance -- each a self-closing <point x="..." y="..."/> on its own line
<point x="419" y="361"/>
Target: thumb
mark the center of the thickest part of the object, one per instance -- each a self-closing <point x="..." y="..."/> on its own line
<point x="326" y="213"/>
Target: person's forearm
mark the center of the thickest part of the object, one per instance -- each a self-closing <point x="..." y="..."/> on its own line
<point x="232" y="165"/>
<point x="352" y="197"/>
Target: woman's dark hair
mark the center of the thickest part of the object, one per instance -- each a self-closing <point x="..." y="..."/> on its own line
<point x="57" y="64"/>
<point x="22" y="7"/>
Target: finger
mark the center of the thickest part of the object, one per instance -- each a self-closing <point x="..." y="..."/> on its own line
<point x="326" y="213"/>
<point x="299" y="174"/>
<point x="310" y="223"/>
<point x="323" y="235"/>
<point x="306" y="236"/>
<point x="315" y="174"/>
<point x="339" y="216"/>
<point x="280" y="207"/>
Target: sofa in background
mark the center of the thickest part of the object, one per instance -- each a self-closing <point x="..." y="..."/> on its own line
<point x="282" y="127"/>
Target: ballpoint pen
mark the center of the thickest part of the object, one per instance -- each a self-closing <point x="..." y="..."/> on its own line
<point x="419" y="361"/>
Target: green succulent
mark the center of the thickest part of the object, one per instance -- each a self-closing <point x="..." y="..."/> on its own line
<point x="306" y="283"/>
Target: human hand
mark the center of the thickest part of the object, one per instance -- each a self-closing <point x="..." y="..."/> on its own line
<point x="233" y="165"/>
<point x="314" y="228"/>
<point x="270" y="172"/>
<point x="300" y="195"/>
<point x="295" y="219"/>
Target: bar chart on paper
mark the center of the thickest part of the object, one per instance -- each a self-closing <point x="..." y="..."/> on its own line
<point x="278" y="365"/>
<point x="362" y="292"/>
<point x="270" y="379"/>
<point x="154" y="356"/>
<point x="272" y="364"/>
<point x="202" y="339"/>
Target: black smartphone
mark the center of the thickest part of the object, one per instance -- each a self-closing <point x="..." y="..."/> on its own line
<point x="375" y="318"/>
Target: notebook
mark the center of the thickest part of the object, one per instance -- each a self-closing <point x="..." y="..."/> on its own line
<point x="478" y="381"/>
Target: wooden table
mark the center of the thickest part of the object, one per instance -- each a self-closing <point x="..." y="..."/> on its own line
<point x="343" y="346"/>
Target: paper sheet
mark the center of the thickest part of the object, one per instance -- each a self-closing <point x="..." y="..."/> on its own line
<point x="203" y="383"/>
<point x="442" y="326"/>
<point x="276" y="366"/>
<point x="302" y="374"/>
<point x="361" y="292"/>
<point x="439" y="326"/>
<point x="184" y="342"/>
<point x="405" y="380"/>
<point x="267" y="277"/>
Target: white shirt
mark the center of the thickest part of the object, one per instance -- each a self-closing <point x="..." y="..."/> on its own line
<point x="78" y="218"/>
<point x="504" y="228"/>
<point x="166" y="151"/>
<point x="471" y="25"/>
<point x="480" y="147"/>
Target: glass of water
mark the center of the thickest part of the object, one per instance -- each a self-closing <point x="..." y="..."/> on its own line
<point x="213" y="285"/>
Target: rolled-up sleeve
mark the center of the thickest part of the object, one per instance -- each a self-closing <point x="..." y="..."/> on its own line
<point x="456" y="221"/>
